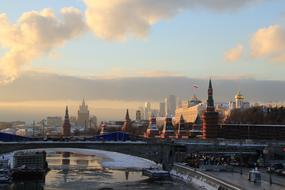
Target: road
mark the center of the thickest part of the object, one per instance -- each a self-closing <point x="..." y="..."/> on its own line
<point x="242" y="180"/>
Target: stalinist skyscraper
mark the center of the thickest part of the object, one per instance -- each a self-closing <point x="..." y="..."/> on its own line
<point x="83" y="115"/>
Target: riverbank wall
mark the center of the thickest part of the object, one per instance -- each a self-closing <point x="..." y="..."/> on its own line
<point x="200" y="179"/>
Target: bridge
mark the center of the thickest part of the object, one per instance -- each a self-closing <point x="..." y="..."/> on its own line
<point x="165" y="153"/>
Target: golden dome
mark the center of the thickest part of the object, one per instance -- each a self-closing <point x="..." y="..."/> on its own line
<point x="239" y="96"/>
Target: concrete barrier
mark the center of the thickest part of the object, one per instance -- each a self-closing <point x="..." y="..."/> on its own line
<point x="199" y="178"/>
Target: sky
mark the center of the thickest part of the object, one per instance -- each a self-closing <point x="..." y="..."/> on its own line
<point x="113" y="39"/>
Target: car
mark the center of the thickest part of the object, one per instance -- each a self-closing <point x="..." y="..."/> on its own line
<point x="276" y="168"/>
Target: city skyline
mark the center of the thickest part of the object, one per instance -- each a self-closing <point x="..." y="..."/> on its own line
<point x="142" y="94"/>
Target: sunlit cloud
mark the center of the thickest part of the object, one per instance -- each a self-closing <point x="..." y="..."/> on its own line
<point x="269" y="43"/>
<point x="234" y="54"/>
<point x="34" y="34"/>
<point x="266" y="43"/>
<point x="116" y="20"/>
<point x="38" y="33"/>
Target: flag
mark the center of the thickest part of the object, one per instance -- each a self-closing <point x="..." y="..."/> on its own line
<point x="195" y="86"/>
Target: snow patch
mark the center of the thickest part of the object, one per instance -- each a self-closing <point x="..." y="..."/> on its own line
<point x="111" y="160"/>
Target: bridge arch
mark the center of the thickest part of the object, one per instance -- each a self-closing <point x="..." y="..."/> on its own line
<point x="158" y="152"/>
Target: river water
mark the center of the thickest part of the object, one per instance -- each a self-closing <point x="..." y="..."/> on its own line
<point x="72" y="171"/>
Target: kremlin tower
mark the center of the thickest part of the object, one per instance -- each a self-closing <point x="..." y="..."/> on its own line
<point x="127" y="122"/>
<point x="152" y="130"/>
<point x="210" y="117"/>
<point x="168" y="129"/>
<point x="182" y="133"/>
<point x="66" y="125"/>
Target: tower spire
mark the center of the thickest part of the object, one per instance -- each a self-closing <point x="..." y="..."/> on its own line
<point x="127" y="115"/>
<point x="210" y="101"/>
<point x="66" y="124"/>
<point x="210" y="83"/>
<point x="66" y="112"/>
<point x="127" y="122"/>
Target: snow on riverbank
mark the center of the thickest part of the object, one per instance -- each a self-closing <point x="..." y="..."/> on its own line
<point x="111" y="160"/>
<point x="189" y="179"/>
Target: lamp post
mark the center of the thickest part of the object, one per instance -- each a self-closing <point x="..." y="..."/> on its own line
<point x="240" y="157"/>
<point x="270" y="176"/>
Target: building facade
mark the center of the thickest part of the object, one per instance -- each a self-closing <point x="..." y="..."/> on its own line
<point x="54" y="121"/>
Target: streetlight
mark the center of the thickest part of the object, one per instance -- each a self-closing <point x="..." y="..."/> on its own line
<point x="240" y="156"/>
<point x="270" y="175"/>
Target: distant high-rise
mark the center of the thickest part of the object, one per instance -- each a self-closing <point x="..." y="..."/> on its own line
<point x="162" y="109"/>
<point x="66" y="132"/>
<point x="93" y="121"/>
<point x="138" y="115"/>
<point x="147" y="110"/>
<point x="83" y="115"/>
<point x="170" y="105"/>
<point x="141" y="109"/>
<point x="210" y="117"/>
<point x="54" y="121"/>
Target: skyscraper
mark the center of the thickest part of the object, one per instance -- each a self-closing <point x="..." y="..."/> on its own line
<point x="138" y="115"/>
<point x="170" y="105"/>
<point x="66" y="124"/>
<point x="162" y="109"/>
<point x="147" y="110"/>
<point x="83" y="115"/>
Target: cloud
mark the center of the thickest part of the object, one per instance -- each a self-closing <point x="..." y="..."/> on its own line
<point x="234" y="54"/>
<point x="117" y="19"/>
<point x="269" y="43"/>
<point x="38" y="33"/>
<point x="34" y="34"/>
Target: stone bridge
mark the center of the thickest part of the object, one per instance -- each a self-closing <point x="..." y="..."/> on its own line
<point x="163" y="153"/>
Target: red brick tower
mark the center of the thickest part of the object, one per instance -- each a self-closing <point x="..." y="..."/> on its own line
<point x="182" y="132"/>
<point x="127" y="122"/>
<point x="210" y="117"/>
<point x="168" y="129"/>
<point x="152" y="130"/>
<point x="66" y="125"/>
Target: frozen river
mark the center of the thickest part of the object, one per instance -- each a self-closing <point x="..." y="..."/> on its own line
<point x="85" y="170"/>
